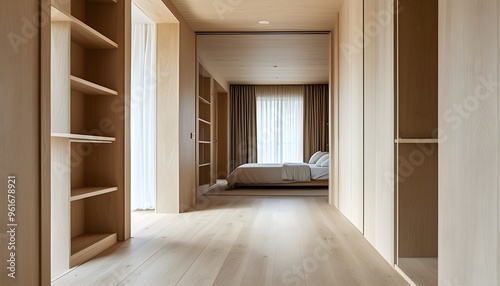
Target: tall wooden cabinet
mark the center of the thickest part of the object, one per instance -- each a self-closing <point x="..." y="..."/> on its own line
<point x="88" y="129"/>
<point x="205" y="129"/>
<point x="417" y="140"/>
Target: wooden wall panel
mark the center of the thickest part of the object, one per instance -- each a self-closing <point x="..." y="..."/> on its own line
<point x="370" y="132"/>
<point x="379" y="126"/>
<point x="351" y="112"/>
<point x="60" y="211"/>
<point x="61" y="122"/>
<point x="343" y="116"/>
<point x="60" y="68"/>
<point x="334" y="116"/>
<point x="222" y="135"/>
<point x="20" y="140"/>
<point x="126" y="66"/>
<point x="187" y="123"/>
<point x="468" y="154"/>
<point x="167" y="119"/>
<point x="45" y="142"/>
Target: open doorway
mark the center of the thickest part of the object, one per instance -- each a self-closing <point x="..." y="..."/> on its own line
<point x="267" y="70"/>
<point x="153" y="110"/>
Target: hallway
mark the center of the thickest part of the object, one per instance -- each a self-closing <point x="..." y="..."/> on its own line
<point x="240" y="241"/>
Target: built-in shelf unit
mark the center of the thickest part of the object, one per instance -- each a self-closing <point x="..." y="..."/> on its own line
<point x="205" y="129"/>
<point x="87" y="125"/>
<point x="417" y="140"/>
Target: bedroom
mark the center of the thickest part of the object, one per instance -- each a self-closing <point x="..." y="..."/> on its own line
<point x="277" y="109"/>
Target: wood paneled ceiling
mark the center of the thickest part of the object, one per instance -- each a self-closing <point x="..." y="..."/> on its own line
<point x="251" y="59"/>
<point x="244" y="15"/>
<point x="267" y="59"/>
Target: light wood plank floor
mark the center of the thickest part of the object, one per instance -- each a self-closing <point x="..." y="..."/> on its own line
<point x="423" y="271"/>
<point x="241" y="241"/>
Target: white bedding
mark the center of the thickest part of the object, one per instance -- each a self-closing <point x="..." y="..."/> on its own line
<point x="254" y="173"/>
<point x="296" y="172"/>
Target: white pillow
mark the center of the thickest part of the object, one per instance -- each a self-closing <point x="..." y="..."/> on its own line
<point x="323" y="159"/>
<point x="326" y="163"/>
<point x="316" y="156"/>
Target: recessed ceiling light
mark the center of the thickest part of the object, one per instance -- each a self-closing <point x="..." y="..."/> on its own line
<point x="263" y="22"/>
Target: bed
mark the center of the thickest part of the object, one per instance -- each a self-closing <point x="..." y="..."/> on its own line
<point x="289" y="174"/>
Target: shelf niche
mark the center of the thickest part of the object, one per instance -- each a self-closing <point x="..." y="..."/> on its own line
<point x="205" y="129"/>
<point x="82" y="33"/>
<point x="88" y="245"/>
<point x="417" y="151"/>
<point x="87" y="124"/>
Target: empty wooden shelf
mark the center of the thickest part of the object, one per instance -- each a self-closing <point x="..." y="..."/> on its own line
<point x="82" y="138"/>
<point x="88" y="87"/>
<point x="203" y="100"/>
<point x="87" y="192"/>
<point x="204" y="121"/>
<point x="88" y="245"/>
<point x="416" y="141"/>
<point x="81" y="33"/>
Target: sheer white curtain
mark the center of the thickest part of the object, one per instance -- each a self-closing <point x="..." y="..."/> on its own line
<point x="143" y="117"/>
<point x="280" y="120"/>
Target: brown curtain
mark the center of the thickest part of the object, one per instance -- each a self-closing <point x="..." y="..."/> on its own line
<point x="243" y="126"/>
<point x="316" y="109"/>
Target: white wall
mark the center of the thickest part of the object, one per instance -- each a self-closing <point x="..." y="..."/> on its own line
<point x="351" y="112"/>
<point x="468" y="154"/>
<point x="379" y="126"/>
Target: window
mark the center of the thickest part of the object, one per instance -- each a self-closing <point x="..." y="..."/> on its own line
<point x="143" y="113"/>
<point x="280" y="116"/>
